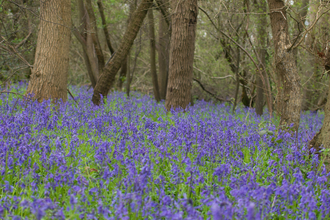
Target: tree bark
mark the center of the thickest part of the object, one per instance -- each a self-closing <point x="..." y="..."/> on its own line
<point x="322" y="138"/>
<point x="95" y="38"/>
<point x="122" y="75"/>
<point x="83" y="18"/>
<point x="163" y="56"/>
<point x="104" y="24"/>
<point x="153" y="55"/>
<point x="50" y="71"/>
<point x="184" y="22"/>
<point x="128" y="74"/>
<point x="107" y="78"/>
<point x="262" y="38"/>
<point x="289" y="95"/>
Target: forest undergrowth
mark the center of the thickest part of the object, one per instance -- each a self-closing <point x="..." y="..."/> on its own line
<point x="128" y="159"/>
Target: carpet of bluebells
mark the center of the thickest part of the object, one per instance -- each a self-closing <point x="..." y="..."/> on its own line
<point x="128" y="159"/>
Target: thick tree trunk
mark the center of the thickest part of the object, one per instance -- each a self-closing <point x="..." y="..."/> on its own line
<point x="107" y="78"/>
<point x="153" y="55"/>
<point x="184" y="22"/>
<point x="262" y="38"/>
<point x="163" y="56"/>
<point x="50" y="71"/>
<point x="289" y="95"/>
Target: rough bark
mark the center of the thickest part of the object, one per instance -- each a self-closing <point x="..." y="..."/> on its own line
<point x="104" y="24"/>
<point x="262" y="39"/>
<point x="184" y="22"/>
<point x="163" y="56"/>
<point x="107" y="78"/>
<point x="289" y="95"/>
<point x="322" y="138"/>
<point x="50" y="71"/>
<point x="153" y="54"/>
<point x="94" y="35"/>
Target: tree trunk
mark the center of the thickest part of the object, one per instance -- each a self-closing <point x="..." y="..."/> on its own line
<point x="94" y="35"/>
<point x="50" y="71"/>
<point x="125" y="65"/>
<point x="289" y="95"/>
<point x="128" y="74"/>
<point x="322" y="138"/>
<point x="262" y="38"/>
<point x="163" y="56"/>
<point x="184" y="22"/>
<point x="122" y="75"/>
<point x="153" y="55"/>
<point x="83" y="30"/>
<point x="107" y="78"/>
<point x="105" y="29"/>
<point x="237" y="78"/>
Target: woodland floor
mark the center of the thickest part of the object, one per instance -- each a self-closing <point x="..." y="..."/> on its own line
<point x="128" y="159"/>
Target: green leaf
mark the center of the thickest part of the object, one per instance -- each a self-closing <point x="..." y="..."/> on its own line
<point x="270" y="132"/>
<point x="262" y="132"/>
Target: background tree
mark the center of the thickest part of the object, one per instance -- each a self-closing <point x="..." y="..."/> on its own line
<point x="107" y="78"/>
<point x="163" y="53"/>
<point x="153" y="54"/>
<point x="50" y="70"/>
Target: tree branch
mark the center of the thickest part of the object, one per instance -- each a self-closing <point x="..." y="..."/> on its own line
<point x="213" y="95"/>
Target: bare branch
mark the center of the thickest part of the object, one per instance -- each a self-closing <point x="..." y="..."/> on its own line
<point x="213" y="95"/>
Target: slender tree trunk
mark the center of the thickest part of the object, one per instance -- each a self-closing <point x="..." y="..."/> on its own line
<point x="94" y="35"/>
<point x="105" y="29"/>
<point x="237" y="78"/>
<point x="262" y="37"/>
<point x="128" y="74"/>
<point x="83" y="17"/>
<point x="289" y="95"/>
<point x="122" y="75"/>
<point x="123" y="70"/>
<point x="107" y="78"/>
<point x="153" y="54"/>
<point x="163" y="56"/>
<point x="50" y="71"/>
<point x="184" y="22"/>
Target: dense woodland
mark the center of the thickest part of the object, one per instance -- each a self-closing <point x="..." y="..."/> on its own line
<point x="264" y="54"/>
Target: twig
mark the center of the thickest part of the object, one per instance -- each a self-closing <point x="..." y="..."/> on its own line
<point x="15" y="94"/>
<point x="309" y="29"/>
<point x="223" y="77"/>
<point x="72" y="96"/>
<point x="213" y="95"/>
